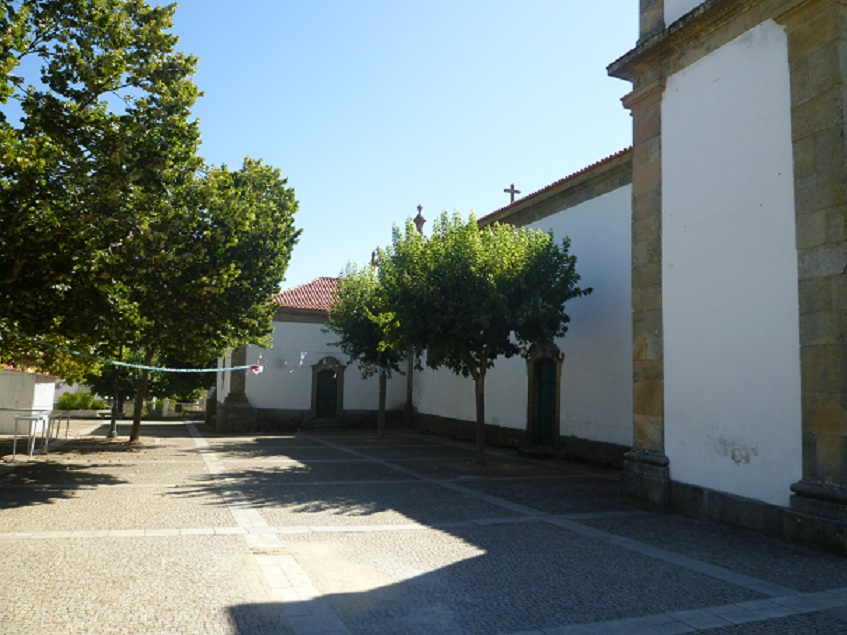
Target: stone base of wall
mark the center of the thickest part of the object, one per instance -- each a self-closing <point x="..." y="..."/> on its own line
<point x="394" y="419"/>
<point x="236" y="416"/>
<point x="570" y="448"/>
<point x="466" y="430"/>
<point x="280" y="420"/>
<point x="702" y="502"/>
<point x="587" y="451"/>
<point x="646" y="479"/>
<point x="814" y="523"/>
<point x="818" y="523"/>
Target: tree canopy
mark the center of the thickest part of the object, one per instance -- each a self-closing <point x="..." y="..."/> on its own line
<point x="359" y="316"/>
<point x="115" y="236"/>
<point x="469" y="295"/>
<point x="94" y="126"/>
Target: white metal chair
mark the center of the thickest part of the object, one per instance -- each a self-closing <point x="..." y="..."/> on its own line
<point x="38" y="423"/>
<point x="55" y="424"/>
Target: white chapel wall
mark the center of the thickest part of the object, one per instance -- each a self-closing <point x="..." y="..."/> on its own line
<point x="731" y="343"/>
<point x="363" y="394"/>
<point x="675" y="9"/>
<point x="286" y="383"/>
<point x="596" y="401"/>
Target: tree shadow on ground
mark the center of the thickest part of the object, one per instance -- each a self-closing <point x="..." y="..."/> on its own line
<point x="302" y="477"/>
<point x="44" y="482"/>
<point x="507" y="578"/>
<point x="265" y="488"/>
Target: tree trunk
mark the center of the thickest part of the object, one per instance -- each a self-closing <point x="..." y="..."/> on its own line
<point x="479" y="386"/>
<point x="140" y="394"/>
<point x="380" y="417"/>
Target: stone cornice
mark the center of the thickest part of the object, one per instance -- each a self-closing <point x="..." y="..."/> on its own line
<point x="704" y="29"/>
<point x="301" y="316"/>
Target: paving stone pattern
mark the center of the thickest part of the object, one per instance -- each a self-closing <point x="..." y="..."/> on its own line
<point x="337" y="532"/>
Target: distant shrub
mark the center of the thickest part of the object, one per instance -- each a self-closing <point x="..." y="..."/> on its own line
<point x="80" y="400"/>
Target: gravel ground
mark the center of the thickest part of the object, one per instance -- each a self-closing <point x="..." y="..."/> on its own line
<point x="338" y="532"/>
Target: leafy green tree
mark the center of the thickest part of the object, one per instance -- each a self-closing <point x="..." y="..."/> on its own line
<point x="359" y="316"/>
<point x="472" y="294"/>
<point x="95" y="128"/>
<point x="114" y="236"/>
<point x="201" y="278"/>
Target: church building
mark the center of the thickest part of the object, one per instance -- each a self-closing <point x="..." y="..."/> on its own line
<point x="739" y="263"/>
<point x="710" y="362"/>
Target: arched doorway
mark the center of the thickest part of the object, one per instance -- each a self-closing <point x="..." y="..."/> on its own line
<point x="326" y="394"/>
<point x="547" y="388"/>
<point x="544" y="369"/>
<point x="327" y="389"/>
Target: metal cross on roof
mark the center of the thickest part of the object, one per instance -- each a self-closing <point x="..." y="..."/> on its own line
<point x="511" y="190"/>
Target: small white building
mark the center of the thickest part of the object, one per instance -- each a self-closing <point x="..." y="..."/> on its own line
<point x="22" y="392"/>
<point x="306" y="378"/>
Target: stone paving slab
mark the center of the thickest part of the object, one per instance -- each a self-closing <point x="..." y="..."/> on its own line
<point x="110" y="508"/>
<point x="553" y="578"/>
<point x="69" y="472"/>
<point x="130" y="585"/>
<point x="410" y="451"/>
<point x="556" y="495"/>
<point x="235" y="443"/>
<point x="336" y="532"/>
<point x="805" y="624"/>
<point x="296" y="472"/>
<point x="465" y="468"/>
<point x="749" y="552"/>
<point x="368" y="504"/>
<point x="273" y="452"/>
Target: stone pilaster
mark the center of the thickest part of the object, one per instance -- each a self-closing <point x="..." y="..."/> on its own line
<point x="817" y="52"/>
<point x="236" y="414"/>
<point x="646" y="473"/>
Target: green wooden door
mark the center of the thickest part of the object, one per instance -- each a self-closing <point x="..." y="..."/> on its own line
<point x="547" y="392"/>
<point x="326" y="393"/>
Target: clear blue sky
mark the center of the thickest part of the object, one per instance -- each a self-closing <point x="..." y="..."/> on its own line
<point x="371" y="107"/>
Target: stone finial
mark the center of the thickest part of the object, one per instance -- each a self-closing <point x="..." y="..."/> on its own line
<point x="419" y="220"/>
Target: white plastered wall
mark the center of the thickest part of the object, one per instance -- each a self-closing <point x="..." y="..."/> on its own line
<point x="286" y="382"/>
<point x="596" y="401"/>
<point x="731" y="333"/>
<point x="21" y="391"/>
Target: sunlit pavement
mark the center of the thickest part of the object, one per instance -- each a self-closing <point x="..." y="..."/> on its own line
<point x="336" y="531"/>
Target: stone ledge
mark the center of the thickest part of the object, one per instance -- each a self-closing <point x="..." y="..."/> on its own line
<point x="646" y="479"/>
<point x="740" y="511"/>
<point x="818" y="529"/>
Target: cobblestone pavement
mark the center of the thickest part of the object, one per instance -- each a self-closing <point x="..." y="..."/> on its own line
<point x="338" y="532"/>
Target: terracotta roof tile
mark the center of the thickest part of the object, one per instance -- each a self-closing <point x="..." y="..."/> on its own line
<point x="317" y="295"/>
<point x="556" y="184"/>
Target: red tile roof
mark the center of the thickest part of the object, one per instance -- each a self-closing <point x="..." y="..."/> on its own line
<point x="317" y="295"/>
<point x="556" y="184"/>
